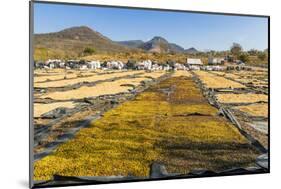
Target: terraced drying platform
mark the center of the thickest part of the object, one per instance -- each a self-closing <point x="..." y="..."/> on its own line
<point x="248" y="104"/>
<point x="215" y="82"/>
<point x="170" y="122"/>
<point x="90" y="78"/>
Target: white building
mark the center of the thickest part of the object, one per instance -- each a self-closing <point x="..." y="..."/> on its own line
<point x="214" y="68"/>
<point x="194" y="63"/>
<point x="215" y="61"/>
<point x="179" y="66"/>
<point x="144" y="65"/>
<point x="53" y="63"/>
<point x="83" y="67"/>
<point x="115" y="65"/>
<point x="156" y="67"/>
<point x="166" y="67"/>
<point x="62" y="64"/>
<point x="72" y="64"/>
<point x="94" y="65"/>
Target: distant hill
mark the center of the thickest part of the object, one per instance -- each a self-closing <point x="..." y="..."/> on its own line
<point x="191" y="50"/>
<point x="156" y="44"/>
<point x="176" y="48"/>
<point x="131" y="43"/>
<point x="72" y="42"/>
<point x="160" y="45"/>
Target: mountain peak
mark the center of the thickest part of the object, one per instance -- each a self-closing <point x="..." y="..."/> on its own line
<point x="131" y="43"/>
<point x="85" y="28"/>
<point x="75" y="39"/>
<point x="159" y="39"/>
<point x="78" y="29"/>
<point x="161" y="45"/>
<point x="191" y="50"/>
<point x="80" y="33"/>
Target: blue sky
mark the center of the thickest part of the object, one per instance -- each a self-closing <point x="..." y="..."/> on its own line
<point x="202" y="31"/>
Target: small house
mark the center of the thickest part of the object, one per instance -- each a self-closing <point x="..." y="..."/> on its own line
<point x="194" y="63"/>
<point x="179" y="66"/>
<point x="115" y="65"/>
<point x="166" y="67"/>
<point x="83" y="67"/>
<point x="214" y="68"/>
<point x="39" y="65"/>
<point x="72" y="64"/>
<point x="156" y="67"/>
<point x="62" y="64"/>
<point x="215" y="61"/>
<point x="144" y="65"/>
<point x="94" y="65"/>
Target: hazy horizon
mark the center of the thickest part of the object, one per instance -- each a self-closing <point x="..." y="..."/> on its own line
<point x="199" y="30"/>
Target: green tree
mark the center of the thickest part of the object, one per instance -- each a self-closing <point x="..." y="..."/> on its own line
<point x="88" y="51"/>
<point x="244" y="57"/>
<point x="253" y="52"/>
<point x="262" y="56"/>
<point x="236" y="49"/>
<point x="131" y="64"/>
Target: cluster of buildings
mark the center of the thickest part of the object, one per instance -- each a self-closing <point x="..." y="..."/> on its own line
<point x="215" y="64"/>
<point x="77" y="64"/>
<point x="154" y="66"/>
<point x="111" y="65"/>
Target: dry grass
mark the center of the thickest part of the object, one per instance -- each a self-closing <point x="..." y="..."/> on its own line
<point x="156" y="126"/>
<point x="242" y="98"/>
<point x="255" y="109"/>
<point x="213" y="81"/>
<point x="40" y="109"/>
<point x="93" y="78"/>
